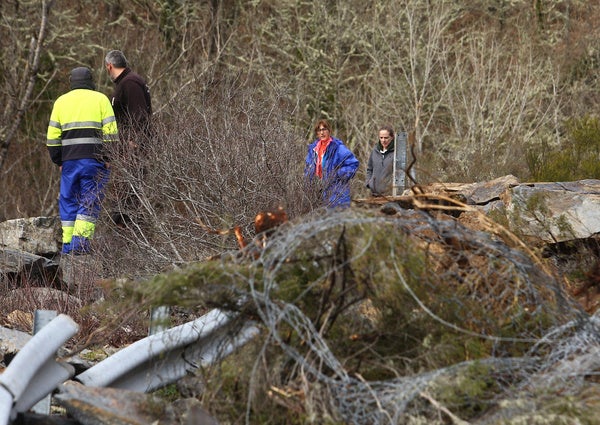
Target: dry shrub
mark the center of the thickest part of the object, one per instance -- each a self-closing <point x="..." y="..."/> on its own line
<point x="369" y="318"/>
<point x="82" y="300"/>
<point x="30" y="183"/>
<point x="219" y="155"/>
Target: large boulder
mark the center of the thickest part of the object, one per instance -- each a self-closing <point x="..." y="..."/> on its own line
<point x="36" y="235"/>
<point x="554" y="212"/>
<point x="11" y="341"/>
<point x="540" y="213"/>
<point x="91" y="406"/>
<point x="28" y="247"/>
<point x="17" y="265"/>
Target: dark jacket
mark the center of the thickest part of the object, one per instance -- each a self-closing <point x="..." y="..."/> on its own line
<point x="339" y="166"/>
<point x="132" y="104"/>
<point x="380" y="170"/>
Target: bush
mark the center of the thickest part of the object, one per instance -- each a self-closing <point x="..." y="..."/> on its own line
<point x="577" y="158"/>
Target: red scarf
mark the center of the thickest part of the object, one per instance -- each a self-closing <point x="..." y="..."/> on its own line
<point x="320" y="150"/>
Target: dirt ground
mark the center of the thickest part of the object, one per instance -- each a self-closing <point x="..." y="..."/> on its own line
<point x="589" y="299"/>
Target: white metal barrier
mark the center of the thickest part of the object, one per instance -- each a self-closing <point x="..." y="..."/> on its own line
<point x="146" y="365"/>
<point x="6" y="404"/>
<point x="167" y="356"/>
<point x="34" y="370"/>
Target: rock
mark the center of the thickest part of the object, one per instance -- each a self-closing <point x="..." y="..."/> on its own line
<point x="81" y="271"/>
<point x="31" y="299"/>
<point x="190" y="386"/>
<point x="390" y="208"/>
<point x="36" y="235"/>
<point x="41" y="298"/>
<point x="109" y="406"/>
<point x="486" y="192"/>
<point x="18" y="319"/>
<point x="540" y="213"/>
<point x="28" y="247"/>
<point x="472" y="193"/>
<point x="192" y="413"/>
<point x="18" y="265"/>
<point x="11" y="341"/>
<point x="554" y="212"/>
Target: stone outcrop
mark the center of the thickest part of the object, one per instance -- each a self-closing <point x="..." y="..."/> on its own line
<point x="555" y="212"/>
<point x="11" y="341"/>
<point x="29" y="248"/>
<point x="540" y="213"/>
<point x="37" y="235"/>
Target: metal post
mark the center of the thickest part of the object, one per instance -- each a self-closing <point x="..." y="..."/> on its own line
<point x="40" y="319"/>
<point x="159" y="319"/>
<point x="399" y="164"/>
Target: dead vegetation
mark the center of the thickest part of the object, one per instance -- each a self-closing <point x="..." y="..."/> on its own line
<point x="373" y="317"/>
<point x="368" y="317"/>
<point x="378" y="318"/>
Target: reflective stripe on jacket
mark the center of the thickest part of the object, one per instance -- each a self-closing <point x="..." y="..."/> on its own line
<point x="82" y="120"/>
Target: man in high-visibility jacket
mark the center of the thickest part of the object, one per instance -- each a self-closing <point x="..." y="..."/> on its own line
<point x="81" y="124"/>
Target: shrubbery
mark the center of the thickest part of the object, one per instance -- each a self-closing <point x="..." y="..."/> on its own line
<point x="577" y="158"/>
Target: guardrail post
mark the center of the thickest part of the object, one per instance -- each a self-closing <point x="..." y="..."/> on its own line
<point x="40" y="319"/>
<point x="399" y="183"/>
<point x="159" y="319"/>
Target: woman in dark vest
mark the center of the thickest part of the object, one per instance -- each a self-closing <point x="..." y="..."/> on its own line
<point x="380" y="167"/>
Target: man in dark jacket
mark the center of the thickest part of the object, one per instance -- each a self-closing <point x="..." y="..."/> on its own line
<point x="131" y="100"/>
<point x="132" y="104"/>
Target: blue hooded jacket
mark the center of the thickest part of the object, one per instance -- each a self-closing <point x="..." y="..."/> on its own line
<point x="339" y="166"/>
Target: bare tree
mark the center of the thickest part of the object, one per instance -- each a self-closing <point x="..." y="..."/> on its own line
<point x="452" y="73"/>
<point x="500" y="100"/>
<point x="19" y="89"/>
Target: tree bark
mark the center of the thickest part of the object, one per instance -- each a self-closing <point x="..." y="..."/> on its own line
<point x="25" y="85"/>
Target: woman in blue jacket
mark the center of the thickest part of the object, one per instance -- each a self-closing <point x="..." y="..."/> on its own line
<point x="332" y="165"/>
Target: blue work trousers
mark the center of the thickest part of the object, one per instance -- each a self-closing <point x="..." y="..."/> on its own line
<point x="82" y="184"/>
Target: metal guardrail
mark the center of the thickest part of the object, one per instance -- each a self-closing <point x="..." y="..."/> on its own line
<point x="167" y="356"/>
<point x="6" y="403"/>
<point x="146" y="365"/>
<point x="33" y="372"/>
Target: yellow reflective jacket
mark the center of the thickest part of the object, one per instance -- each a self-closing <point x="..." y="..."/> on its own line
<point x="82" y="121"/>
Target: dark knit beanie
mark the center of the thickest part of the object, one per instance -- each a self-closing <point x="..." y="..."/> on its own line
<point x="81" y="78"/>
